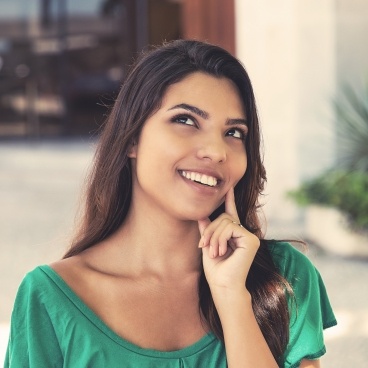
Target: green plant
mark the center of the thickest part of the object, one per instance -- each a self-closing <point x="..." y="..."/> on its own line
<point x="347" y="191"/>
<point x="345" y="187"/>
<point x="352" y="129"/>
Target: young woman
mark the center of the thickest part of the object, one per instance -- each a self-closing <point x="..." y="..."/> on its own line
<point x="169" y="268"/>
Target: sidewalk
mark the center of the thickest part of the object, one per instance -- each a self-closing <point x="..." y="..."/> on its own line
<point x="346" y="283"/>
<point x="39" y="188"/>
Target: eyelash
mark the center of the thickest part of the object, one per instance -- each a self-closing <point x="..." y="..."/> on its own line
<point x="243" y="133"/>
<point x="176" y="119"/>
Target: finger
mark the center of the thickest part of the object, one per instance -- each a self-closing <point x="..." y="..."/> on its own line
<point x="206" y="252"/>
<point x="202" y="225"/>
<point x="219" y="248"/>
<point x="230" y="206"/>
<point x="224" y="238"/>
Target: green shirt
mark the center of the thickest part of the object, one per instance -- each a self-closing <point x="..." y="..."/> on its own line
<point x="52" y="327"/>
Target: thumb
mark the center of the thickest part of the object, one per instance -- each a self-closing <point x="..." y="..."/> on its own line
<point x="202" y="224"/>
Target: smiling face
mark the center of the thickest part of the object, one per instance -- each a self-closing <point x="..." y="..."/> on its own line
<point x="191" y="150"/>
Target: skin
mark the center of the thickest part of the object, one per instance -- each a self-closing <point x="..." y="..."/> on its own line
<point x="187" y="141"/>
<point x="143" y="270"/>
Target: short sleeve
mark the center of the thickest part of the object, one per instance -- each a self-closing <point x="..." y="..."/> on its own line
<point x="309" y="307"/>
<point x="32" y="341"/>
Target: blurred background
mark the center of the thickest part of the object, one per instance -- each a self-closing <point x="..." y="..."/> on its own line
<point x="61" y="65"/>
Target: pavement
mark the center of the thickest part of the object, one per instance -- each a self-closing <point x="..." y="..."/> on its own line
<point x="40" y="183"/>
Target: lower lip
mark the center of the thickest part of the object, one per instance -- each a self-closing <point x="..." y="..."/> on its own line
<point x="200" y="188"/>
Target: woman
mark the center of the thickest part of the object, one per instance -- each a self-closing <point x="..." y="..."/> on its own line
<point x="169" y="267"/>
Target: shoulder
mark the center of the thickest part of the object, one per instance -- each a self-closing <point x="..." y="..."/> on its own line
<point x="35" y="295"/>
<point x="290" y="261"/>
<point x="309" y="291"/>
<point x="40" y="285"/>
<point x="71" y="270"/>
<point x="32" y="340"/>
<point x="284" y="251"/>
<point x="39" y="297"/>
<point x="44" y="284"/>
<point x="309" y="307"/>
<point x="35" y="280"/>
<point x="298" y="270"/>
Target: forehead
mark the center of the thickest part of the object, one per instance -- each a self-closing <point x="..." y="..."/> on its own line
<point x="205" y="91"/>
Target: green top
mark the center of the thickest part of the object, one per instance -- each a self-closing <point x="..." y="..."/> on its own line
<point x="52" y="327"/>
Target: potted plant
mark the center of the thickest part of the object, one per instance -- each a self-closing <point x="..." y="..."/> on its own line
<point x="337" y="201"/>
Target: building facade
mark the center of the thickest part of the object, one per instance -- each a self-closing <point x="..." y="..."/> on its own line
<point x="62" y="62"/>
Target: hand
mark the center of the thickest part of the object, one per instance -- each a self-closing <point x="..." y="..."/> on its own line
<point x="228" y="249"/>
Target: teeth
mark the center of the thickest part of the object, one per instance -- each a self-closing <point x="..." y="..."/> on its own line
<point x="200" y="178"/>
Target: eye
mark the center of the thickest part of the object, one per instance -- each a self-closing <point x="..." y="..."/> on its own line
<point x="184" y="119"/>
<point x="237" y="133"/>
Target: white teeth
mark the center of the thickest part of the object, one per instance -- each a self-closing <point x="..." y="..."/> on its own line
<point x="200" y="178"/>
<point x="204" y="179"/>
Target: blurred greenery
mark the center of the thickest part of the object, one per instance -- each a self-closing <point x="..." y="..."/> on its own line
<point x="351" y="108"/>
<point x="346" y="191"/>
<point x="345" y="186"/>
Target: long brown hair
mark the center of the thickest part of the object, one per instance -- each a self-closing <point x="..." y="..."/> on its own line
<point x="109" y="189"/>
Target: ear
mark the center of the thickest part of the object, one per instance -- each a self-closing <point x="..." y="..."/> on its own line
<point x="132" y="153"/>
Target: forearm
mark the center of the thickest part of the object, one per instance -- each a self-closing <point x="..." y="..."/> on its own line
<point x="244" y="342"/>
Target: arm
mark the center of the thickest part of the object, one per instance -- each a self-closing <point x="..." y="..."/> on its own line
<point x="310" y="364"/>
<point x="228" y="252"/>
<point x="244" y="342"/>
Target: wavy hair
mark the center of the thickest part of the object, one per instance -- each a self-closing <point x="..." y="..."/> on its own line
<point x="109" y="189"/>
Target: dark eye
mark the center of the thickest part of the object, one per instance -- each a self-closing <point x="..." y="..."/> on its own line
<point x="236" y="133"/>
<point x="184" y="119"/>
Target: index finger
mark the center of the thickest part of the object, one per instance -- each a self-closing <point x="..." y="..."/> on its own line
<point x="230" y="206"/>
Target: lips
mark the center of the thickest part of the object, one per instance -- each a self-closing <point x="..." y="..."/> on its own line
<point x="197" y="177"/>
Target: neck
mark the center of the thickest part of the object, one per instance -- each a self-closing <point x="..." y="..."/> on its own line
<point x="159" y="245"/>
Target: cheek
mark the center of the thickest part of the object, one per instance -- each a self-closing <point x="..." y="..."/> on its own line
<point x="155" y="154"/>
<point x="239" y="167"/>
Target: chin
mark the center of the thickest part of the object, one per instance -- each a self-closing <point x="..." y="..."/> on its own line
<point x="199" y="212"/>
<point x="201" y="215"/>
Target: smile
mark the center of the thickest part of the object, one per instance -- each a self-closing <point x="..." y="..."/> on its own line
<point x="199" y="178"/>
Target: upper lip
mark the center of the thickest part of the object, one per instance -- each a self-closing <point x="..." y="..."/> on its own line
<point x="206" y="171"/>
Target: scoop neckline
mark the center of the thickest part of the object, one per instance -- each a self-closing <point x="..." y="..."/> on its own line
<point x="192" y="349"/>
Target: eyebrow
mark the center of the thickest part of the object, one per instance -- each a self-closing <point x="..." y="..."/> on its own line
<point x="196" y="110"/>
<point x="205" y="115"/>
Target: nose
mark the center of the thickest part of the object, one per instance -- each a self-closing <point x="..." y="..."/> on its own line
<point x="213" y="149"/>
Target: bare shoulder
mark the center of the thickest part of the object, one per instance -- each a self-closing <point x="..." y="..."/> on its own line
<point x="89" y="280"/>
<point x="87" y="265"/>
<point x="72" y="270"/>
<point x="66" y="264"/>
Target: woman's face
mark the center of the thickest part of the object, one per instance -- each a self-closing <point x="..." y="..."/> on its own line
<point x="191" y="151"/>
